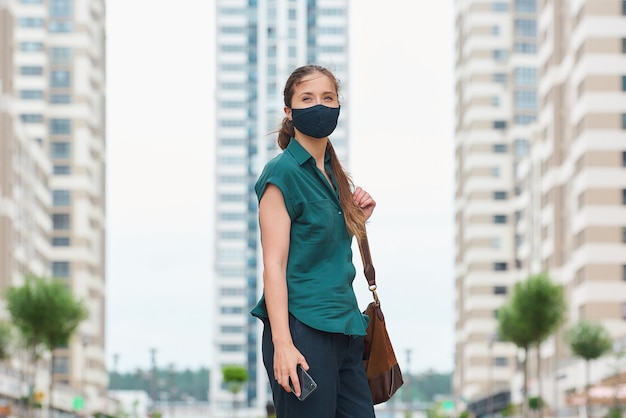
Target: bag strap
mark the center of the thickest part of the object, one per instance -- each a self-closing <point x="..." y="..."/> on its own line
<point x="368" y="266"/>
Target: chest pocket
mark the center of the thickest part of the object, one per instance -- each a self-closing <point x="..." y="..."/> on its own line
<point x="319" y="222"/>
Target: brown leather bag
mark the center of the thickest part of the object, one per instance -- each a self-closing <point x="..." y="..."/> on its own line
<point x="381" y="366"/>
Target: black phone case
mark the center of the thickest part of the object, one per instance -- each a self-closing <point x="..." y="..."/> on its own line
<point x="307" y="384"/>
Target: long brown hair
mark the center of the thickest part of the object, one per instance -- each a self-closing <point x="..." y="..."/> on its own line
<point x="355" y="221"/>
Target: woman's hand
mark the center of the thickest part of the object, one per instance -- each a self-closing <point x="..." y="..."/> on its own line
<point x="364" y="201"/>
<point x="286" y="359"/>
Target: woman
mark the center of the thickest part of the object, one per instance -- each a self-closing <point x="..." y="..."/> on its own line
<point x="308" y="215"/>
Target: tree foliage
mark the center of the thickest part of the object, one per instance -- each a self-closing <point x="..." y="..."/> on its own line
<point x="534" y="311"/>
<point x="234" y="377"/>
<point x="6" y="340"/>
<point x="187" y="383"/>
<point x="46" y="314"/>
<point x="588" y="340"/>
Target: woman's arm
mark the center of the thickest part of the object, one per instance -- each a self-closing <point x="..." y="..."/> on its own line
<point x="275" y="230"/>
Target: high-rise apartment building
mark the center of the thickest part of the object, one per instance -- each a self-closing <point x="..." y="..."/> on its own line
<point x="567" y="213"/>
<point x="52" y="137"/>
<point x="496" y="105"/>
<point x="259" y="43"/>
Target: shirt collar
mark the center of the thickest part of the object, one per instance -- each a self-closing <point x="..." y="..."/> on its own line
<point x="300" y="154"/>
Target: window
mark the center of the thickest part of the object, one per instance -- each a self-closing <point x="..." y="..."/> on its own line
<point x="499" y="78"/>
<point x="500" y="148"/>
<point x="499" y="54"/>
<point x="232" y="179"/>
<point x="499" y="7"/>
<point x="624" y="7"/>
<point x="61" y="170"/>
<point x="228" y="310"/>
<point x="624" y="83"/>
<point x="495" y="242"/>
<point x="61" y="55"/>
<point x="623" y="158"/>
<point x="499" y="195"/>
<point x="525" y="47"/>
<point x="61" y="269"/>
<point x="331" y="12"/>
<point x="233" y="48"/>
<point x="500" y="361"/>
<point x="499" y="266"/>
<point x="60" y="242"/>
<point x="31" y="94"/>
<point x="232" y="160"/>
<point x="232" y="198"/>
<point x="499" y="219"/>
<point x="495" y="30"/>
<point x="60" y="99"/>
<point x="292" y="14"/>
<point x="333" y="30"/>
<point x="60" y="150"/>
<point x="623" y="196"/>
<point x="31" y="1"/>
<point x="60" y="8"/>
<point x="499" y="290"/>
<point x="31" y="46"/>
<point x="521" y="147"/>
<point x="292" y="52"/>
<point x="232" y="123"/>
<point x="60" y="126"/>
<point x="230" y="216"/>
<point x="28" y="70"/>
<point x="624" y="272"/>
<point x="31" y="118"/>
<point x="525" y="76"/>
<point x="231" y="348"/>
<point x="60" y="221"/>
<point x="61" y="197"/>
<point x="524" y="99"/>
<point x="61" y="365"/>
<point x="495" y="171"/>
<point x="526" y="6"/>
<point x="232" y="235"/>
<point x="526" y="28"/>
<point x="495" y="101"/>
<point x="518" y="240"/>
<point x="331" y="49"/>
<point x="623" y="120"/>
<point x="231" y="329"/>
<point x="232" y="291"/>
<point x="624" y="311"/>
<point x="499" y="124"/>
<point x="60" y="78"/>
<point x="524" y="119"/>
<point x="30" y="22"/>
<point x="56" y="26"/>
<point x="624" y="234"/>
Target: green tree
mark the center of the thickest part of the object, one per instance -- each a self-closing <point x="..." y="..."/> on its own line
<point x="588" y="340"/>
<point x="6" y="340"/>
<point x="234" y="377"/>
<point x="46" y="314"/>
<point x="534" y="312"/>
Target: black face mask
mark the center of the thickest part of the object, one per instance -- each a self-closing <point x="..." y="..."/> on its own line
<point x="318" y="121"/>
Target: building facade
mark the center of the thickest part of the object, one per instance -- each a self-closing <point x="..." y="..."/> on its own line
<point x="259" y="43"/>
<point x="496" y="76"/>
<point x="52" y="212"/>
<point x="564" y="155"/>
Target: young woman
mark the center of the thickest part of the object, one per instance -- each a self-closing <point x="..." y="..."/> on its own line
<point x="308" y="214"/>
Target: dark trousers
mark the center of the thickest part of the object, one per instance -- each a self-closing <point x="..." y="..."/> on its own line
<point x="335" y="362"/>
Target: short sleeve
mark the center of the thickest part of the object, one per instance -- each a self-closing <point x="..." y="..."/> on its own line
<point x="269" y="176"/>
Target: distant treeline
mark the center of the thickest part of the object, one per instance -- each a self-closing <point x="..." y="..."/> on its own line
<point x="185" y="384"/>
<point x="182" y="385"/>
<point x="426" y="385"/>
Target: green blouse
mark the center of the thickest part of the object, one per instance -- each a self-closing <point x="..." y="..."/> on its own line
<point x="319" y="266"/>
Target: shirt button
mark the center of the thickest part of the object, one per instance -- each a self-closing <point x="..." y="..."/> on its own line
<point x="339" y="213"/>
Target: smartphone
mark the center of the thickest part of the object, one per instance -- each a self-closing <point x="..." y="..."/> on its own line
<point x="307" y="384"/>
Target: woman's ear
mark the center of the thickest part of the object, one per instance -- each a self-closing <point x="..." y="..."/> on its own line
<point x="287" y="110"/>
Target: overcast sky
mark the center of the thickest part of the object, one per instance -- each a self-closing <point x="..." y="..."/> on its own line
<point x="160" y="64"/>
